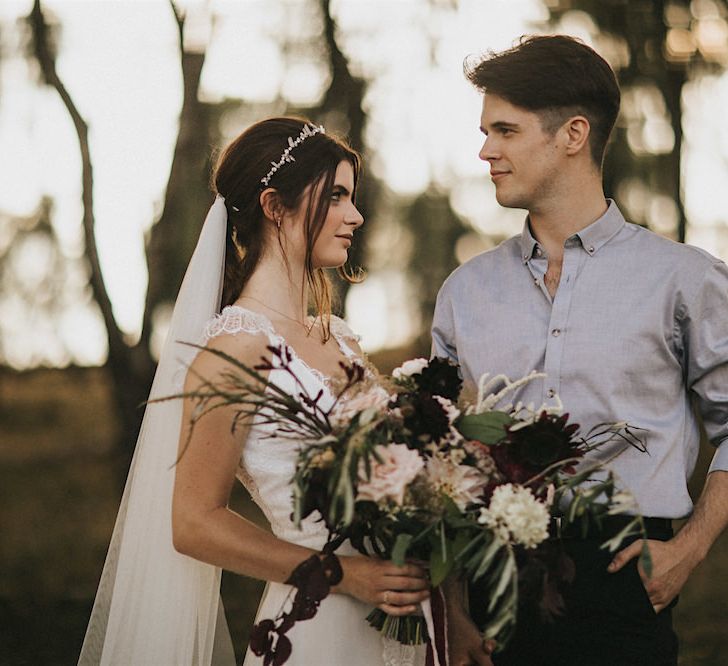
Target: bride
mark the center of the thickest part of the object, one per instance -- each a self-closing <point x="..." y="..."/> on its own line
<point x="284" y="212"/>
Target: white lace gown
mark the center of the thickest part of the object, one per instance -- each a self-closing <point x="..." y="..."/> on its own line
<point x="339" y="633"/>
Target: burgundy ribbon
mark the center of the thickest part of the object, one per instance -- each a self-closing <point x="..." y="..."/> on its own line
<point x="437" y="645"/>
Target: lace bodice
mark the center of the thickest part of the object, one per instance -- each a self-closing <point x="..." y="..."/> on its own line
<point x="267" y="462"/>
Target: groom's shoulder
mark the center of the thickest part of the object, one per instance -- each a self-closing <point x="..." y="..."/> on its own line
<point x="477" y="269"/>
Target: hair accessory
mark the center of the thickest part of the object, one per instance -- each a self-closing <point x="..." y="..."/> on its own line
<point x="307" y="131"/>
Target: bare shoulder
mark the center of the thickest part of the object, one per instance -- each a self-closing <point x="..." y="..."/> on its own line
<point x="211" y="362"/>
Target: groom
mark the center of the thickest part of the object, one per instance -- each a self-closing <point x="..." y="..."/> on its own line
<point x="627" y="326"/>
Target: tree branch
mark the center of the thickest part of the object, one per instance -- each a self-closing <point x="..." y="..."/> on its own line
<point x="46" y="60"/>
<point x="179" y="17"/>
<point x="186" y="197"/>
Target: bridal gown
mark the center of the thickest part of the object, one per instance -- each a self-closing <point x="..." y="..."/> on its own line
<point x="339" y="633"/>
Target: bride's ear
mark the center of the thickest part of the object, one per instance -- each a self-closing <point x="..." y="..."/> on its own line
<point x="271" y="204"/>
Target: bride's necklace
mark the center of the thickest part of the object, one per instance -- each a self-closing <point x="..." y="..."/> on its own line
<point x="308" y="329"/>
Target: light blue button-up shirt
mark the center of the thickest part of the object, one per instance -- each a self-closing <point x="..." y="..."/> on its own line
<point x="637" y="330"/>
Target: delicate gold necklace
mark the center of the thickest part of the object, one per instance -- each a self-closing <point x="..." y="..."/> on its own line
<point x="308" y="329"/>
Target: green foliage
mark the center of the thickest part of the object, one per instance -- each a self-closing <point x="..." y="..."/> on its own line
<point x="488" y="427"/>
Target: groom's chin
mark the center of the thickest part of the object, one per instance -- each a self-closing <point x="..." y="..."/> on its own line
<point x="510" y="201"/>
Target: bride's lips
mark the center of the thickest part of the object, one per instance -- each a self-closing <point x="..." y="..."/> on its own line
<point x="346" y="237"/>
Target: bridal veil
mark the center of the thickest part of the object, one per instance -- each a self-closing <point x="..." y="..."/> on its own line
<point x="154" y="606"/>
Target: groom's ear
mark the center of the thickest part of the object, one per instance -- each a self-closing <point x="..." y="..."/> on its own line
<point x="577" y="130"/>
<point x="271" y="204"/>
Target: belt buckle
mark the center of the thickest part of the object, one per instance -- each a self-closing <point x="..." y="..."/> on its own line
<point x="557" y="522"/>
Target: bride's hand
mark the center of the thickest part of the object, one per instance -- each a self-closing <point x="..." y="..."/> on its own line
<point x="395" y="590"/>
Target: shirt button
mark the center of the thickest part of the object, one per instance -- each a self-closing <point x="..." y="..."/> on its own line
<point x="590" y="249"/>
<point x="538" y="252"/>
<point x="536" y="282"/>
<point x="550" y="393"/>
<point x="525" y="257"/>
<point x="556" y="332"/>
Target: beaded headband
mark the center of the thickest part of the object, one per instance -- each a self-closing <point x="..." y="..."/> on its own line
<point x="307" y="131"/>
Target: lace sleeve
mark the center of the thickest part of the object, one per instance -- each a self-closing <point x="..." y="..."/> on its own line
<point x="341" y="329"/>
<point x="233" y="320"/>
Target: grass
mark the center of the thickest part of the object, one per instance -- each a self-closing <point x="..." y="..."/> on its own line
<point x="58" y="499"/>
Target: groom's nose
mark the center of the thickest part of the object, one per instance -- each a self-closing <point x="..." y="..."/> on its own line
<point x="486" y="152"/>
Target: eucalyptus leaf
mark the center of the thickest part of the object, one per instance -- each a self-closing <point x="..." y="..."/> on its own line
<point x="507" y="576"/>
<point x="400" y="548"/>
<point x="440" y="564"/>
<point x="488" y="427"/>
<point x="487" y="558"/>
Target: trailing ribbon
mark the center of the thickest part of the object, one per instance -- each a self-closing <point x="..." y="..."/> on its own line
<point x="436" y="618"/>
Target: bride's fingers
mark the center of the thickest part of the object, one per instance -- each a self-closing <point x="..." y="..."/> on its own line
<point x="398" y="610"/>
<point x="407" y="570"/>
<point x="399" y="599"/>
<point x="400" y="583"/>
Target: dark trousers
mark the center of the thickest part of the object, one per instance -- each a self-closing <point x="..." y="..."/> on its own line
<point x="609" y="620"/>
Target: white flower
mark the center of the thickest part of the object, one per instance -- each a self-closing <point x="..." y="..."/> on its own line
<point x="412" y="367"/>
<point x="450" y="409"/>
<point x="461" y="483"/>
<point x="374" y="399"/>
<point x="516" y="516"/>
<point x="389" y="479"/>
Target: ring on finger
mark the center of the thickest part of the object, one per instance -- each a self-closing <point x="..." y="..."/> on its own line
<point x="386" y="597"/>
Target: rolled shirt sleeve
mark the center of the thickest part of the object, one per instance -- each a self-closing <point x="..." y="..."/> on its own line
<point x="704" y="326"/>
<point x="443" y="328"/>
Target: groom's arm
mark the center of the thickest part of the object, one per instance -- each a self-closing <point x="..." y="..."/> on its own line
<point x="465" y="642"/>
<point x="443" y="327"/>
<point x="703" y="341"/>
<point x="673" y="561"/>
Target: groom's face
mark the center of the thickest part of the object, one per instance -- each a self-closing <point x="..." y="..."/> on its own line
<point x="523" y="158"/>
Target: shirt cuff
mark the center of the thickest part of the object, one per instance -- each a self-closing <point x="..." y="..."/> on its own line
<point x="720" y="459"/>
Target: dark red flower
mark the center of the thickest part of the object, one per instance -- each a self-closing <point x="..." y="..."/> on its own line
<point x="440" y="377"/>
<point x="528" y="451"/>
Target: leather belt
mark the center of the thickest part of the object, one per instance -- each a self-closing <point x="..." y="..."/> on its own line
<point x="608" y="526"/>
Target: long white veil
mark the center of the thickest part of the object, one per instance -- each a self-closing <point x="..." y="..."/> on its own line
<point x="155" y="606"/>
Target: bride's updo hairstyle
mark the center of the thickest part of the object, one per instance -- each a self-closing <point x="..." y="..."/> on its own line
<point x="237" y="177"/>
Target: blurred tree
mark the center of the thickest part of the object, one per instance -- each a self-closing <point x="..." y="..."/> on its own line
<point x="340" y="108"/>
<point x="343" y="101"/>
<point x="35" y="288"/>
<point x="435" y="229"/>
<point x="172" y="238"/>
<point x="655" y="47"/>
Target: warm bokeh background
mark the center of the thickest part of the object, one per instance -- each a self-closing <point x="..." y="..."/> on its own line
<point x="110" y="114"/>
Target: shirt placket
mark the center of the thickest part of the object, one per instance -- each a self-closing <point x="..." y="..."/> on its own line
<point x="559" y="320"/>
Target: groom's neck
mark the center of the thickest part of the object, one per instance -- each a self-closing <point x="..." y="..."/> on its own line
<point x="559" y="217"/>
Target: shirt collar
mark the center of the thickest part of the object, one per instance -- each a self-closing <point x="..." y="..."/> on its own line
<point x="592" y="238"/>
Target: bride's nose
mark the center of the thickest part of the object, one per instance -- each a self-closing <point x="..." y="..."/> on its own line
<point x="354" y="218"/>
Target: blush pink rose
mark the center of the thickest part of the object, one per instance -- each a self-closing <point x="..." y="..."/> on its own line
<point x="389" y="479"/>
<point x="375" y="398"/>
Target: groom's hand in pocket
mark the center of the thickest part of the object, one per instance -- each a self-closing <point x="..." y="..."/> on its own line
<point x="395" y="590"/>
<point x="671" y="565"/>
<point x="465" y="642"/>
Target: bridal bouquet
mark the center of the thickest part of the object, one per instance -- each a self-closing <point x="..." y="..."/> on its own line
<point x="406" y="468"/>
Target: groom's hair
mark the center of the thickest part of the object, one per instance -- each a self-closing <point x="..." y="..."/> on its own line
<point x="556" y="77"/>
